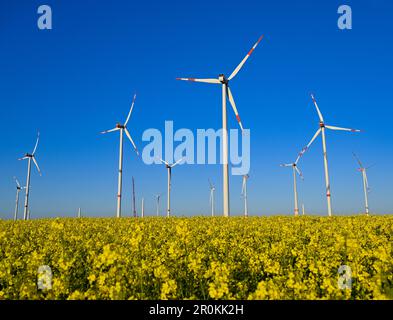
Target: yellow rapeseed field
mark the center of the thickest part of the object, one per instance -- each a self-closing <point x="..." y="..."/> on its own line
<point x="197" y="258"/>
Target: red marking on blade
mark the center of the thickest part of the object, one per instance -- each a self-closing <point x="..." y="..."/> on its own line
<point x="249" y="53"/>
<point x="328" y="195"/>
<point x="238" y="118"/>
<point x="119" y="195"/>
<point x="178" y="78"/>
<point x="191" y="79"/>
<point x="260" y="38"/>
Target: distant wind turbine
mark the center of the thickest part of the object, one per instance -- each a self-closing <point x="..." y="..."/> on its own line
<point x="79" y="213"/>
<point x="322" y="127"/>
<point x="158" y="196"/>
<point x="122" y="128"/>
<point x="244" y="193"/>
<point x="29" y="157"/>
<point x="211" y="199"/>
<point x="18" y="189"/>
<point x="226" y="92"/>
<point x="169" y="168"/>
<point x="295" y="170"/>
<point x="133" y="198"/>
<point x="366" y="188"/>
<point x="143" y="208"/>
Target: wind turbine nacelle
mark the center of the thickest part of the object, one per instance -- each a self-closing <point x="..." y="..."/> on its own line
<point x="118" y="125"/>
<point x="321" y="124"/>
<point x="222" y="78"/>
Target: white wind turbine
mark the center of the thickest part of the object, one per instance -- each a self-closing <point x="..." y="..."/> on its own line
<point x="295" y="170"/>
<point x="169" y="168"/>
<point x="211" y="199"/>
<point x="122" y="128"/>
<point x="366" y="188"/>
<point x="322" y="127"/>
<point x="244" y="193"/>
<point x="226" y="92"/>
<point x="18" y="189"/>
<point x="158" y="196"/>
<point x="29" y="157"/>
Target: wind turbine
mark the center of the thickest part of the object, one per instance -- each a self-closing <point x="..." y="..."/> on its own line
<point x="79" y="213"/>
<point x="211" y="200"/>
<point x="29" y="157"/>
<point x="158" y="196"/>
<point x="18" y="189"/>
<point x="226" y="92"/>
<point x="303" y="211"/>
<point x="365" y="182"/>
<point x="143" y="208"/>
<point x="169" y="167"/>
<point x="244" y="193"/>
<point x="295" y="170"/>
<point x="122" y="128"/>
<point x="133" y="198"/>
<point x="322" y="127"/>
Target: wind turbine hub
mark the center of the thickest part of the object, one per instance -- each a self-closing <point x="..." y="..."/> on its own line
<point x="222" y="78"/>
<point x="321" y="124"/>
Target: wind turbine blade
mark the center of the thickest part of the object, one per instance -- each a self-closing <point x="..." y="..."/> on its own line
<point x="243" y="185"/>
<point x="299" y="172"/>
<point x="36" y="164"/>
<point x="111" y="130"/>
<point x="200" y="80"/>
<point x="177" y="162"/>
<point x="311" y="141"/>
<point x="133" y="144"/>
<point x="36" y="143"/>
<point x="341" y="129"/>
<point x="357" y="159"/>
<point x="234" y="73"/>
<point x="230" y="97"/>
<point x="298" y="157"/>
<point x="286" y="165"/>
<point x="210" y="184"/>
<point x="17" y="182"/>
<point x="23" y="158"/>
<point x="316" y="106"/>
<point x="129" y="113"/>
<point x="365" y="177"/>
<point x="163" y="161"/>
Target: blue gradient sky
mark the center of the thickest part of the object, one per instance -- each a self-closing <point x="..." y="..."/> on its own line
<point x="79" y="78"/>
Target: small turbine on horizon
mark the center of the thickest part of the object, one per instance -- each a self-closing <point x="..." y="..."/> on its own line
<point x="169" y="167"/>
<point x="366" y="187"/>
<point x="244" y="193"/>
<point x="226" y="93"/>
<point x="122" y="128"/>
<point x="322" y="127"/>
<point x="211" y="199"/>
<point x="18" y="189"/>
<point x="295" y="170"/>
<point x="158" y="196"/>
<point x="30" y="157"/>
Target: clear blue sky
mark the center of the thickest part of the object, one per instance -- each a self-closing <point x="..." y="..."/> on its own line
<point x="77" y="79"/>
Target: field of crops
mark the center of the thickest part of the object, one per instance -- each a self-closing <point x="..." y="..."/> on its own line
<point x="197" y="258"/>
